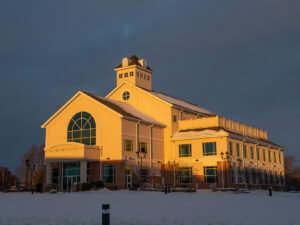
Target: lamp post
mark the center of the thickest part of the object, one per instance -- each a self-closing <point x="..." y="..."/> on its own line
<point x="27" y="167"/>
<point x="141" y="167"/>
<point x="223" y="158"/>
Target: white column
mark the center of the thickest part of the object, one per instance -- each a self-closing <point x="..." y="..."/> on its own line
<point x="83" y="171"/>
<point x="48" y="173"/>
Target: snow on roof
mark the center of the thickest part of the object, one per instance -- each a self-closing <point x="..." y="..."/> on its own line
<point x="181" y="103"/>
<point x="126" y="110"/>
<point x="219" y="132"/>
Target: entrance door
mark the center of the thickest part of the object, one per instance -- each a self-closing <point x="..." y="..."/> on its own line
<point x="128" y="179"/>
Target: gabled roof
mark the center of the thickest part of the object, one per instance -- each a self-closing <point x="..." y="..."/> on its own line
<point x="127" y="111"/>
<point x="182" y="104"/>
<point x="120" y="108"/>
<point x="133" y="60"/>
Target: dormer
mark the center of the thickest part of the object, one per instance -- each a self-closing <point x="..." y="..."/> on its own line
<point x="135" y="71"/>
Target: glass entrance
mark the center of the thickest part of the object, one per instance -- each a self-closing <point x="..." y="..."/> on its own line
<point x="128" y="176"/>
<point x="71" y="175"/>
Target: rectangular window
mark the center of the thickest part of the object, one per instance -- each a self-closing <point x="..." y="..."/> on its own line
<point x="279" y="156"/>
<point x="143" y="147"/>
<point x="245" y="151"/>
<point x="145" y="76"/>
<point x="264" y="155"/>
<point x="275" y="157"/>
<point x="137" y="74"/>
<point x="148" y="77"/>
<point x="174" y="118"/>
<point x="55" y="176"/>
<point x="125" y="74"/>
<point x="210" y="174"/>
<point x="252" y="152"/>
<point x="109" y="174"/>
<point x="230" y="148"/>
<point x="238" y="150"/>
<point x="209" y="148"/>
<point x="141" y="75"/>
<point x="128" y="145"/>
<point x="257" y="154"/>
<point x="120" y="75"/>
<point x="186" y="175"/>
<point x="131" y="74"/>
<point x="269" y="155"/>
<point x="185" y="150"/>
<point x="144" y="175"/>
<point x="232" y="169"/>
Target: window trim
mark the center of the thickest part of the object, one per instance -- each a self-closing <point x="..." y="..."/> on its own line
<point x="204" y="151"/>
<point x="185" y="154"/>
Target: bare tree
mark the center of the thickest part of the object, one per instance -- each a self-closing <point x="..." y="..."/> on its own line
<point x="35" y="155"/>
<point x="292" y="173"/>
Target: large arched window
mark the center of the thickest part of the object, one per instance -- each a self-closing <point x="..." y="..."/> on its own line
<point x="82" y="129"/>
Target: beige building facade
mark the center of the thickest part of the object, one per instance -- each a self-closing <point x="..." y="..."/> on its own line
<point x="137" y="137"/>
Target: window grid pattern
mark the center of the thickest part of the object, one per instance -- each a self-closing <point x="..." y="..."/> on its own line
<point x="185" y="150"/>
<point x="209" y="148"/>
<point x="82" y="129"/>
<point x="230" y="148"/>
<point x="210" y="174"/>
<point x="245" y="151"/>
<point x="143" y="147"/>
<point x="128" y="145"/>
<point x="126" y="95"/>
<point x="252" y="152"/>
<point x="186" y="175"/>
<point x="109" y="174"/>
<point x="238" y="150"/>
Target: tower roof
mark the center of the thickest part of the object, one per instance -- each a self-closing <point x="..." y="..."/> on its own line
<point x="133" y="60"/>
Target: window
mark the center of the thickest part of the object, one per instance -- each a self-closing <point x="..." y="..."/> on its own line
<point x="279" y="156"/>
<point x="230" y="148"/>
<point x="252" y="152"/>
<point x="131" y="74"/>
<point x="275" y="157"/>
<point x="245" y="151"/>
<point x="185" y="150"/>
<point x="128" y="145"/>
<point x="257" y="154"/>
<point x="55" y="176"/>
<point x="210" y="174"/>
<point x="145" y="76"/>
<point x="141" y="75"/>
<point x="144" y="175"/>
<point x="264" y="155"/>
<point x="137" y="74"/>
<point x="126" y="95"/>
<point x="148" y="77"/>
<point x="143" y="147"/>
<point x="238" y="150"/>
<point x="120" y="75"/>
<point x="186" y="175"/>
<point x="232" y="169"/>
<point x="71" y="174"/>
<point x="269" y="155"/>
<point x="209" y="148"/>
<point x="82" y="129"/>
<point x="125" y="74"/>
<point x="174" y="118"/>
<point x="109" y="174"/>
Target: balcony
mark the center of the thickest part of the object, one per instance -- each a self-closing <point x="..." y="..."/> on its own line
<point x="72" y="151"/>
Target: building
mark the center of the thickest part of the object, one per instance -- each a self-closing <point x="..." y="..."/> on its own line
<point x="138" y="136"/>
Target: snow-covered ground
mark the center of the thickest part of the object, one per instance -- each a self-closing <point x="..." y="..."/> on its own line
<point x="151" y="208"/>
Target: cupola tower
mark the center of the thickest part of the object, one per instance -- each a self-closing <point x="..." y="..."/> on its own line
<point x="135" y="71"/>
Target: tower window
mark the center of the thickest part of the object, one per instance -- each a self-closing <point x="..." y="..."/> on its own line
<point x="131" y="74"/>
<point x="137" y="74"/>
<point x="126" y="95"/>
<point x="125" y="74"/>
<point x="145" y="76"/>
<point x="120" y="75"/>
<point x="141" y="75"/>
<point x="148" y="77"/>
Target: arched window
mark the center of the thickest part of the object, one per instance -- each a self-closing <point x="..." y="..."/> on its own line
<point x="82" y="129"/>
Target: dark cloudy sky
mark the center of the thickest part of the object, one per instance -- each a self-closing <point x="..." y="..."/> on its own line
<point x="239" y="59"/>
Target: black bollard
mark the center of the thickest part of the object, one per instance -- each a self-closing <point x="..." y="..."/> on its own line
<point x="105" y="214"/>
<point x="166" y="189"/>
<point x="270" y="191"/>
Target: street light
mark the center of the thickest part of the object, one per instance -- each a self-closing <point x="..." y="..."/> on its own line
<point x="141" y="167"/>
